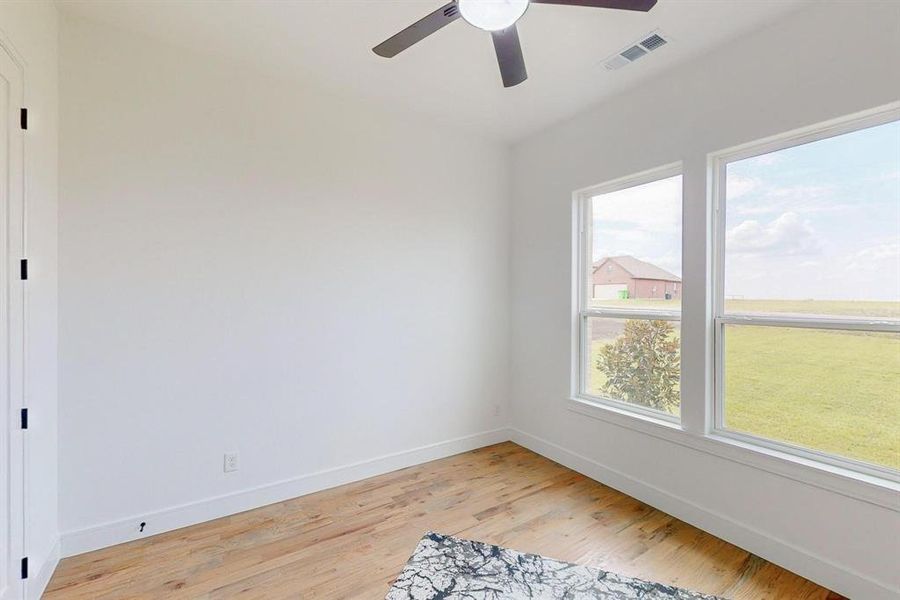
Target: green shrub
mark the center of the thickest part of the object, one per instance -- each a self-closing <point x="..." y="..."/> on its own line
<point x="642" y="365"/>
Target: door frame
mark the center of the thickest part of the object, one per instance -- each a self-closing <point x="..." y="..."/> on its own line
<point x="12" y="333"/>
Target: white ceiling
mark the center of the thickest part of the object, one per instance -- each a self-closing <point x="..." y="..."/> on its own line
<point x="453" y="74"/>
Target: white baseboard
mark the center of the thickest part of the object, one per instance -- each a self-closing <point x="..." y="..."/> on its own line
<point x="125" y="530"/>
<point x="35" y="586"/>
<point x="815" y="568"/>
<point x="11" y="592"/>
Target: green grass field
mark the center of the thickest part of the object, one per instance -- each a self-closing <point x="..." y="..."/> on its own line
<point x="834" y="391"/>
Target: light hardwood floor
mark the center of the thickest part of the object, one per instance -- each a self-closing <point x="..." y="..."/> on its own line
<point x="351" y="541"/>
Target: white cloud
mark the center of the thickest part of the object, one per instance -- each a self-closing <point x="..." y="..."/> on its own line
<point x="737" y="186"/>
<point x="653" y="207"/>
<point x="786" y="235"/>
<point x="893" y="175"/>
<point x="805" y="199"/>
<point x="765" y="160"/>
<point x="878" y="258"/>
<point x="795" y="193"/>
<point x="618" y="242"/>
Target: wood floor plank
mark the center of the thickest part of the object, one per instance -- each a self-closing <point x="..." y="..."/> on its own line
<point x="351" y="542"/>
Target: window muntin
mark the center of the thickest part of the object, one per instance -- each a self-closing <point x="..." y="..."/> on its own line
<point x="630" y="293"/>
<point x="808" y="294"/>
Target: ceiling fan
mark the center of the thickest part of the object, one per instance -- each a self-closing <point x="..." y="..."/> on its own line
<point x="497" y="17"/>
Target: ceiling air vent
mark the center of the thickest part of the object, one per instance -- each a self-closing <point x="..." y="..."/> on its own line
<point x="638" y="49"/>
<point x="634" y="53"/>
<point x="653" y="42"/>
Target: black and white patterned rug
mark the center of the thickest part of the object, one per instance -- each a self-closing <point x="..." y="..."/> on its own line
<point x="448" y="568"/>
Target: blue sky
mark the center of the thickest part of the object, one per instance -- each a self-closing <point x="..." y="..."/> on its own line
<point x="819" y="221"/>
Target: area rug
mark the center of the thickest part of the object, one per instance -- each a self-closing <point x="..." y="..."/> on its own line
<point x="448" y="568"/>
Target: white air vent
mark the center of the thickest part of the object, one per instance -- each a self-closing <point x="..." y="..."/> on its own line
<point x="648" y="43"/>
<point x="616" y="62"/>
<point x="633" y="53"/>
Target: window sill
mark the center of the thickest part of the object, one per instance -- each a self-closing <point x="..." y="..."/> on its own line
<point x="859" y="486"/>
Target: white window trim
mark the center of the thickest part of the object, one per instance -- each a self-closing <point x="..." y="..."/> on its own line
<point x="582" y="310"/>
<point x="850" y="482"/>
<point x="717" y="163"/>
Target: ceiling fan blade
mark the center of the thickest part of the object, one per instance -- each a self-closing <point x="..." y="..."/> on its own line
<point x="418" y="31"/>
<point x="641" y="5"/>
<point x="509" y="56"/>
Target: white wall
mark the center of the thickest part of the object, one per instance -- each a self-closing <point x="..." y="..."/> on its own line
<point x="32" y="29"/>
<point x="832" y="59"/>
<point x="248" y="265"/>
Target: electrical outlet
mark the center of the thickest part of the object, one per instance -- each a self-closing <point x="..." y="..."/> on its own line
<point x="231" y="462"/>
<point x="496" y="410"/>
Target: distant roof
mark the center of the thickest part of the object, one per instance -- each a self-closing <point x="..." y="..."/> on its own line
<point x="639" y="269"/>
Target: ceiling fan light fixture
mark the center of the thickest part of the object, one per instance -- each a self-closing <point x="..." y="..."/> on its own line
<point x="492" y="15"/>
<point x="498" y="17"/>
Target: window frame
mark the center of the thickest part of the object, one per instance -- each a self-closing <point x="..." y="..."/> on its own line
<point x="718" y="162"/>
<point x="581" y="293"/>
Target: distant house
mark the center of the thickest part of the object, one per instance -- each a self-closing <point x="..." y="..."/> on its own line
<point x="616" y="276"/>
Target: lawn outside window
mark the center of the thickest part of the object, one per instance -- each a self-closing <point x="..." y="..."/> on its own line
<point x="629" y="294"/>
<point x="807" y="294"/>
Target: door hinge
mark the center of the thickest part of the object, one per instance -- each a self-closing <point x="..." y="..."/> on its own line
<point x="23" y="118"/>
<point x="24" y="416"/>
<point x="25" y="567"/>
<point x="23" y="269"/>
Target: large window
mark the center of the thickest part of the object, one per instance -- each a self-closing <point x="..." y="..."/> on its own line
<point x="807" y="308"/>
<point x="630" y="293"/>
<point x="791" y="350"/>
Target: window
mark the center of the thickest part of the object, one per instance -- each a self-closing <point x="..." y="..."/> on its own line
<point x="807" y="308"/>
<point x="629" y="301"/>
